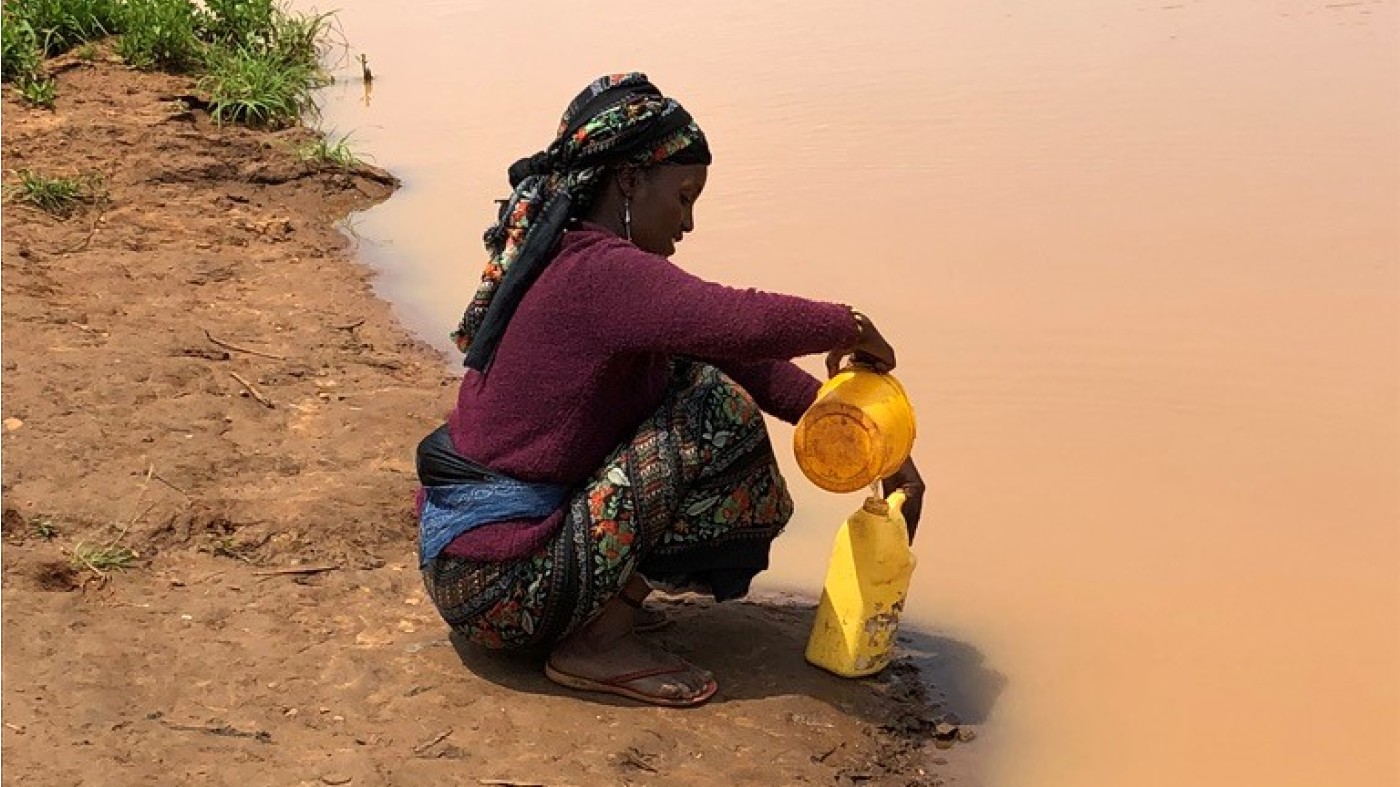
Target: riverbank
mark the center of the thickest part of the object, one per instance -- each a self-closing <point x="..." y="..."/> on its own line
<point x="207" y="463"/>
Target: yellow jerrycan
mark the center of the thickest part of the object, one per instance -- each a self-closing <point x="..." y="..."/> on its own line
<point x="866" y="583"/>
<point x="859" y="430"/>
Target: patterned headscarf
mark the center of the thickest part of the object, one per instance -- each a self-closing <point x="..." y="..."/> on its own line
<point x="619" y="119"/>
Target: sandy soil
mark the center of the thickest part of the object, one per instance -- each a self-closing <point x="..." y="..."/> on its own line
<point x="215" y="256"/>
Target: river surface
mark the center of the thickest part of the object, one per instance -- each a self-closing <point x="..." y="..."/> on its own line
<point x="1141" y="262"/>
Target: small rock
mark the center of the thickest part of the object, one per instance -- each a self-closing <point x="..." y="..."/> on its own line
<point x="337" y="778"/>
<point x="965" y="735"/>
<point x="290" y="712"/>
<point x="11" y="424"/>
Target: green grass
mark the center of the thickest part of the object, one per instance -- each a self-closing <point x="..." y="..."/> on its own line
<point x="39" y="90"/>
<point x="60" y="25"/>
<point x="160" y="34"/>
<point x="20" y="56"/>
<point x="46" y="529"/>
<point x="256" y="88"/>
<point x="325" y="150"/>
<point x="86" y="53"/>
<point x="58" y="196"/>
<point x="258" y="60"/>
<point x="104" y="558"/>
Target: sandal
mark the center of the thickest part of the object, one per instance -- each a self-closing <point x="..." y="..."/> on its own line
<point x="618" y="685"/>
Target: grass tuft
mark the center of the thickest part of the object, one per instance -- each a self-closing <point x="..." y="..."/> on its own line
<point x="46" y="529"/>
<point x="39" y="90"/>
<point x="60" y="25"/>
<point x="20" y="55"/>
<point x="325" y="150"/>
<point x="57" y="196"/>
<point x="104" y="558"/>
<point x="254" y="87"/>
<point x="160" y="34"/>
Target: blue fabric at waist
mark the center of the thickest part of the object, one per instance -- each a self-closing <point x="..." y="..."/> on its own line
<point x="450" y="511"/>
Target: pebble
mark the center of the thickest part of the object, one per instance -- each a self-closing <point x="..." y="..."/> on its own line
<point x="11" y="424"/>
<point x="337" y="778"/>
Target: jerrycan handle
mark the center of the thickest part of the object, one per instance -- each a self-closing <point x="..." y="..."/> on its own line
<point x="897" y="500"/>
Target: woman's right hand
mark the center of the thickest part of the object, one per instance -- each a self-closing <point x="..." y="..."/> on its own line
<point x="870" y="349"/>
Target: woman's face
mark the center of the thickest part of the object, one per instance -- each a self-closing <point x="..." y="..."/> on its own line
<point x="663" y="205"/>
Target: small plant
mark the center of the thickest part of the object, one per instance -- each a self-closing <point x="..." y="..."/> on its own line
<point x="301" y="40"/>
<point x="39" y="90"/>
<point x="86" y="53"/>
<point x="45" y="529"/>
<point x="60" y="25"/>
<point x="325" y="151"/>
<point x="253" y="87"/>
<point x="104" y="558"/>
<point x="58" y="196"/>
<point x="160" y="34"/>
<point x="20" y="55"/>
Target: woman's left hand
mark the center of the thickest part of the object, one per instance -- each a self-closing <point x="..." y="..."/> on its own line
<point x="908" y="479"/>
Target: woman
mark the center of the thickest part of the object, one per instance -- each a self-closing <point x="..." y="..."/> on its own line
<point x="608" y="432"/>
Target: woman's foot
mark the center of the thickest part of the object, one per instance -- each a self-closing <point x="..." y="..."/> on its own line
<point x="649" y="619"/>
<point x="607" y="656"/>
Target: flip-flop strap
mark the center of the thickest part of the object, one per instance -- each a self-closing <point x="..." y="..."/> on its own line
<point x="621" y="680"/>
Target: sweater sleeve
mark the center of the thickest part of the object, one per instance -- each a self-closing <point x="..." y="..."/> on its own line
<point x="781" y="388"/>
<point x="643" y="302"/>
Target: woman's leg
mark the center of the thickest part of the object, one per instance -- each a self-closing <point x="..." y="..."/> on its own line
<point x="699" y="507"/>
<point x="695" y="494"/>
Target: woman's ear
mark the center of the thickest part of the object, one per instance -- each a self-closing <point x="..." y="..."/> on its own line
<point x="627" y="180"/>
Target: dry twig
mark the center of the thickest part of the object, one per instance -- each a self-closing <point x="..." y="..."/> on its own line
<point x="266" y="402"/>
<point x="158" y="477"/>
<point x="277" y="572"/>
<point x="439" y="738"/>
<point x="236" y="348"/>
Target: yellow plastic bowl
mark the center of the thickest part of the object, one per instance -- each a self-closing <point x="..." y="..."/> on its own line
<point x="860" y="430"/>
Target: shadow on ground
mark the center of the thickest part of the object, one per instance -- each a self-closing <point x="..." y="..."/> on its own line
<point x="755" y="649"/>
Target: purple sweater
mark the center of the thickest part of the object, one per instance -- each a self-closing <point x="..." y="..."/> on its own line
<point x="586" y="360"/>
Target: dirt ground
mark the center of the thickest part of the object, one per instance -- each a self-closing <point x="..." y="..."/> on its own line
<point x="195" y="368"/>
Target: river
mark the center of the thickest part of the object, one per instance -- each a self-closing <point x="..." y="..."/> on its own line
<point x="1141" y="262"/>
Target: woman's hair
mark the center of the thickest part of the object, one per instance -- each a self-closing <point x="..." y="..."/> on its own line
<point x="620" y="119"/>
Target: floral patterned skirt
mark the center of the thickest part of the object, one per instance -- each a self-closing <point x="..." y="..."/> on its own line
<point x="694" y="500"/>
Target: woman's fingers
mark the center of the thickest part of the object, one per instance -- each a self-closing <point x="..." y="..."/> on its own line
<point x="833" y="362"/>
<point x="907" y="478"/>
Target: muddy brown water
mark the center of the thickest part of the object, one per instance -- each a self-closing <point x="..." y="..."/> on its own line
<point x="1141" y="262"/>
